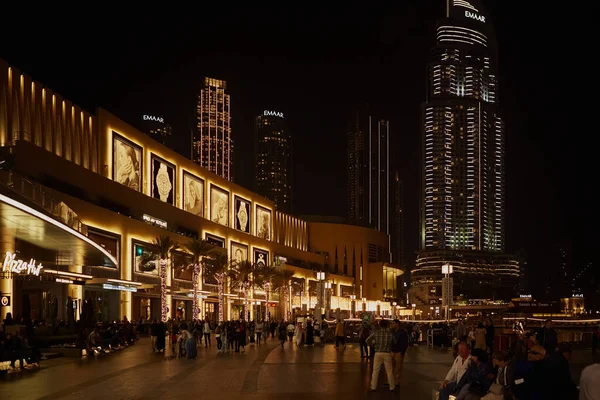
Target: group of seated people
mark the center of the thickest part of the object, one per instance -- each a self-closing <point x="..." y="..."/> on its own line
<point x="14" y="349"/>
<point x="540" y="375"/>
<point x="109" y="336"/>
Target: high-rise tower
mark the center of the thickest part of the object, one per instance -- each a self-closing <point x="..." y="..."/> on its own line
<point x="463" y="181"/>
<point x="369" y="172"/>
<point x="273" y="159"/>
<point x="213" y="146"/>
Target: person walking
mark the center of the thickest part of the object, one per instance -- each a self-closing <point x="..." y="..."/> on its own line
<point x="282" y="333"/>
<point x="259" y="330"/>
<point x="381" y="341"/>
<point x="206" y="331"/>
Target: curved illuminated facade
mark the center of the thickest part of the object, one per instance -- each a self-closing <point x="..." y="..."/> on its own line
<point x="463" y="182"/>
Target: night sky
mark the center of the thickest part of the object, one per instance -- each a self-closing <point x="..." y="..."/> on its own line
<point x="318" y="66"/>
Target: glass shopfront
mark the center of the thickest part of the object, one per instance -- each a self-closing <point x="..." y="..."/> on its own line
<point x="104" y="304"/>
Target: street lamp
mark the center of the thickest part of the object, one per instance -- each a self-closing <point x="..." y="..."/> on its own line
<point x="394" y="304"/>
<point x="352" y="305"/>
<point x="414" y="308"/>
<point x="447" y="288"/>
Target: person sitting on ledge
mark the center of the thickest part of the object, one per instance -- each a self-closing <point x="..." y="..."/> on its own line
<point x="452" y="383"/>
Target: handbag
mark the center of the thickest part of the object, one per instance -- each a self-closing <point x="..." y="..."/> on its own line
<point x="496" y="387"/>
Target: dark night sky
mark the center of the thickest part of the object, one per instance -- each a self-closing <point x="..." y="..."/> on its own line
<point x="317" y="69"/>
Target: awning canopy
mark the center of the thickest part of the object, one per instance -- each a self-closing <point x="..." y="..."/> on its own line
<point x="41" y="237"/>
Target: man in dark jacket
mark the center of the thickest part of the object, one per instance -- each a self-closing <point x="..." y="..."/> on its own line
<point x="399" y="347"/>
<point x="547" y="337"/>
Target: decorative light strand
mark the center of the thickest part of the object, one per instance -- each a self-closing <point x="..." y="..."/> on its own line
<point x="163" y="290"/>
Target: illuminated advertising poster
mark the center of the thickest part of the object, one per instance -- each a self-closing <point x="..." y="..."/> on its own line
<point x="127" y="162"/>
<point x="144" y="260"/>
<point x="182" y="265"/>
<point x="263" y="223"/>
<point x="215" y="240"/>
<point x="193" y="194"/>
<point x="219" y="206"/>
<point x="207" y="277"/>
<point x="261" y="257"/>
<point x="242" y="216"/>
<point x="239" y="252"/>
<point x="163" y="180"/>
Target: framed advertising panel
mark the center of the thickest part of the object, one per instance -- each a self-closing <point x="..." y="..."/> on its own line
<point x="193" y="194"/>
<point x="239" y="252"/>
<point x="263" y="223"/>
<point x="182" y="265"/>
<point x="219" y="205"/>
<point x="162" y="180"/>
<point x="261" y="257"/>
<point x="143" y="260"/>
<point x="242" y="214"/>
<point x="127" y="162"/>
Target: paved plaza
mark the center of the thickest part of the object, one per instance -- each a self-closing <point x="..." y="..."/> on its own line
<point x="264" y="372"/>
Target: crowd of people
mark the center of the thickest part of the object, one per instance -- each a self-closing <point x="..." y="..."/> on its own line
<point x="534" y="368"/>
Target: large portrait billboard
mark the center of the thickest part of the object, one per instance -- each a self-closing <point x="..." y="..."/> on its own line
<point x="263" y="223"/>
<point x="193" y="194"/>
<point x="219" y="205"/>
<point x="127" y="162"/>
<point x="239" y="252"/>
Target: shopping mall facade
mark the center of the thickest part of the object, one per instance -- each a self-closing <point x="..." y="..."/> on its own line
<point x="83" y="196"/>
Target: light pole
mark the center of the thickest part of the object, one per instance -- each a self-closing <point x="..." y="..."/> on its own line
<point x="394" y="304"/>
<point x="447" y="288"/>
<point x="352" y="305"/>
<point x="414" y="308"/>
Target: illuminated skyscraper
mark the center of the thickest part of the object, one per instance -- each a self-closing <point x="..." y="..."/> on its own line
<point x="212" y="145"/>
<point x="463" y="181"/>
<point x="273" y="159"/>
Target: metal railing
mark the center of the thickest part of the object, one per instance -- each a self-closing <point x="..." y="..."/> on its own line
<point x="43" y="198"/>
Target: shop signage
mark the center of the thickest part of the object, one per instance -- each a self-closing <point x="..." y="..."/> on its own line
<point x="153" y="118"/>
<point x="268" y="113"/>
<point x="18" y="266"/>
<point x="5" y="301"/>
<point x="110" y="286"/>
<point x="473" y="15"/>
<point x="155" y="221"/>
<point x="61" y="280"/>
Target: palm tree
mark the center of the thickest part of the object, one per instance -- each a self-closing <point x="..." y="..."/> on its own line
<point x="218" y="267"/>
<point x="242" y="276"/>
<point x="164" y="246"/>
<point x="200" y="250"/>
<point x="283" y="282"/>
<point x="267" y="276"/>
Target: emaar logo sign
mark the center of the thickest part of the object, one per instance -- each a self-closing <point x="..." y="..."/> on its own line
<point x="473" y="15"/>
<point x="268" y="113"/>
<point x="153" y="118"/>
